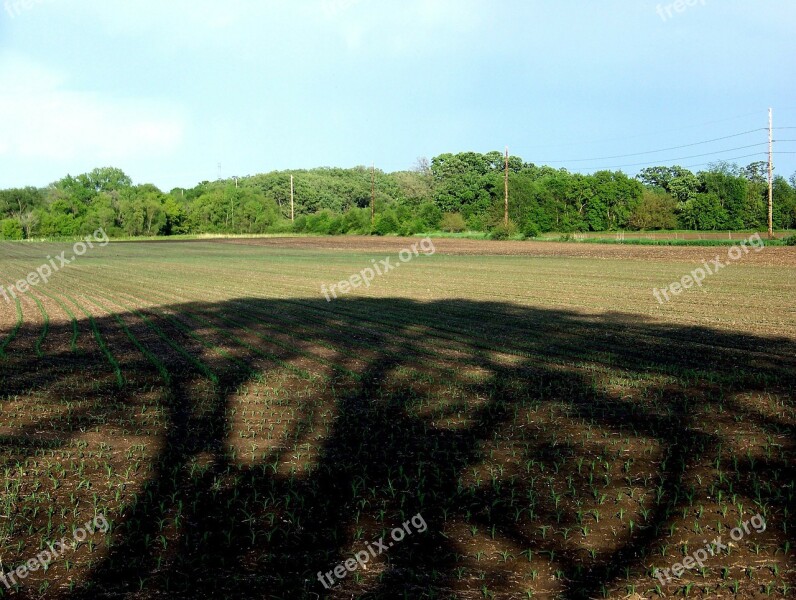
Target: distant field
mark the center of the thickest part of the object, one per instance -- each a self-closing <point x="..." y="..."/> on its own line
<point x="673" y="235"/>
<point x="560" y="432"/>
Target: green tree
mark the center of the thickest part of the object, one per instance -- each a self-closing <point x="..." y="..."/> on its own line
<point x="102" y="213"/>
<point x="106" y="179"/>
<point x="784" y="204"/>
<point x="656" y="210"/>
<point x="704" y="212"/>
<point x="175" y="217"/>
<point x="731" y="192"/>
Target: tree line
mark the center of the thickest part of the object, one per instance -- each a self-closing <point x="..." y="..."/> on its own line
<point x="452" y="192"/>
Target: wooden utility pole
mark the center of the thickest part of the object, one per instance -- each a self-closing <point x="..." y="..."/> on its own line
<point x="235" y="177"/>
<point x="506" y="188"/>
<point x="292" y="206"/>
<point x="770" y="174"/>
<point x="373" y="196"/>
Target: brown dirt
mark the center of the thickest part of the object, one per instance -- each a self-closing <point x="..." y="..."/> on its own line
<point x="772" y="256"/>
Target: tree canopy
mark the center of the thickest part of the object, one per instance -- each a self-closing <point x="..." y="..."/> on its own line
<point x="451" y="191"/>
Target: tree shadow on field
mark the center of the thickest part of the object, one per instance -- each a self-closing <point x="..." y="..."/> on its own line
<point x="506" y="428"/>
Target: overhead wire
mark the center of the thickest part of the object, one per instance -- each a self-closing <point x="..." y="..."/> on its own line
<point x="726" y="137"/>
<point x="671" y="160"/>
<point x="681" y="158"/>
<point x="727" y="160"/>
<point x="641" y="135"/>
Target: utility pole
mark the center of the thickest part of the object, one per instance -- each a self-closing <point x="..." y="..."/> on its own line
<point x="506" y="187"/>
<point x="770" y="173"/>
<point x="373" y="196"/>
<point x="292" y="205"/>
<point x="232" y="201"/>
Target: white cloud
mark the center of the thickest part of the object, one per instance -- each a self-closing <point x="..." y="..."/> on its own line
<point x="42" y="118"/>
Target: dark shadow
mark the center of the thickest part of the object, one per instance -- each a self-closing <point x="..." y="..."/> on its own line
<point x="505" y="427"/>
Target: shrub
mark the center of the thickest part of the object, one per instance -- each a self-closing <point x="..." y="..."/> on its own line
<point x="531" y="230"/>
<point x="402" y="215"/>
<point x="300" y="224"/>
<point x="476" y="223"/>
<point x="411" y="228"/>
<point x="357" y="221"/>
<point x="385" y="225"/>
<point x="430" y="215"/>
<point x="336" y="225"/>
<point x="503" y="231"/>
<point x="790" y="241"/>
<point x="281" y="226"/>
<point x="10" y="229"/>
<point x="453" y="223"/>
<point x="320" y="222"/>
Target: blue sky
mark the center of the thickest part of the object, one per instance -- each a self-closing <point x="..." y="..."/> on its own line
<point x="168" y="90"/>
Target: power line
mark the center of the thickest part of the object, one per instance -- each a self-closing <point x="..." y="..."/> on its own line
<point x="727" y="160"/>
<point x="669" y="160"/>
<point x="641" y="135"/>
<point x="726" y="137"/>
